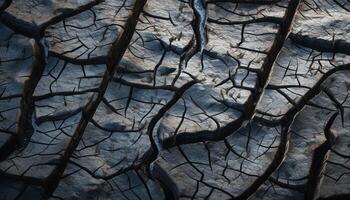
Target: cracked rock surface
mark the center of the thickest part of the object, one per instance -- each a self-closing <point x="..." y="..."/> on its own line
<point x="174" y="99"/>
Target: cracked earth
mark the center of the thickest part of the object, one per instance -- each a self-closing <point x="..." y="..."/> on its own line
<point x="175" y="99"/>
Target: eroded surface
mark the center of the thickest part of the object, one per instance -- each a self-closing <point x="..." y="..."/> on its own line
<point x="199" y="99"/>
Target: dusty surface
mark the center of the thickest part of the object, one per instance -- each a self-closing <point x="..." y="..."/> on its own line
<point x="199" y="99"/>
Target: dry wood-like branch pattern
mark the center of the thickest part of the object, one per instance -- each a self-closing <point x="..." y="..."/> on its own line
<point x="173" y="99"/>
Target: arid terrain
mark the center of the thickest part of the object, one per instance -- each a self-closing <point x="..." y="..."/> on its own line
<point x="175" y="99"/>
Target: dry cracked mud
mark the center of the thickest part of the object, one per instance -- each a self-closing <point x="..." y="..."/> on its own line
<point x="175" y="99"/>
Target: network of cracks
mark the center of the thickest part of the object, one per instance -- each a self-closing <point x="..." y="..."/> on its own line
<point x="175" y="99"/>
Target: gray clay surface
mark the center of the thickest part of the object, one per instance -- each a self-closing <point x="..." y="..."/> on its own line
<point x="175" y="99"/>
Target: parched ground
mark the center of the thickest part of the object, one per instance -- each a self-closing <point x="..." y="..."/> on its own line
<point x="175" y="99"/>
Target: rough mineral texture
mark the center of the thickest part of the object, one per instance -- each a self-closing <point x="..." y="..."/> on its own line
<point x="175" y="99"/>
